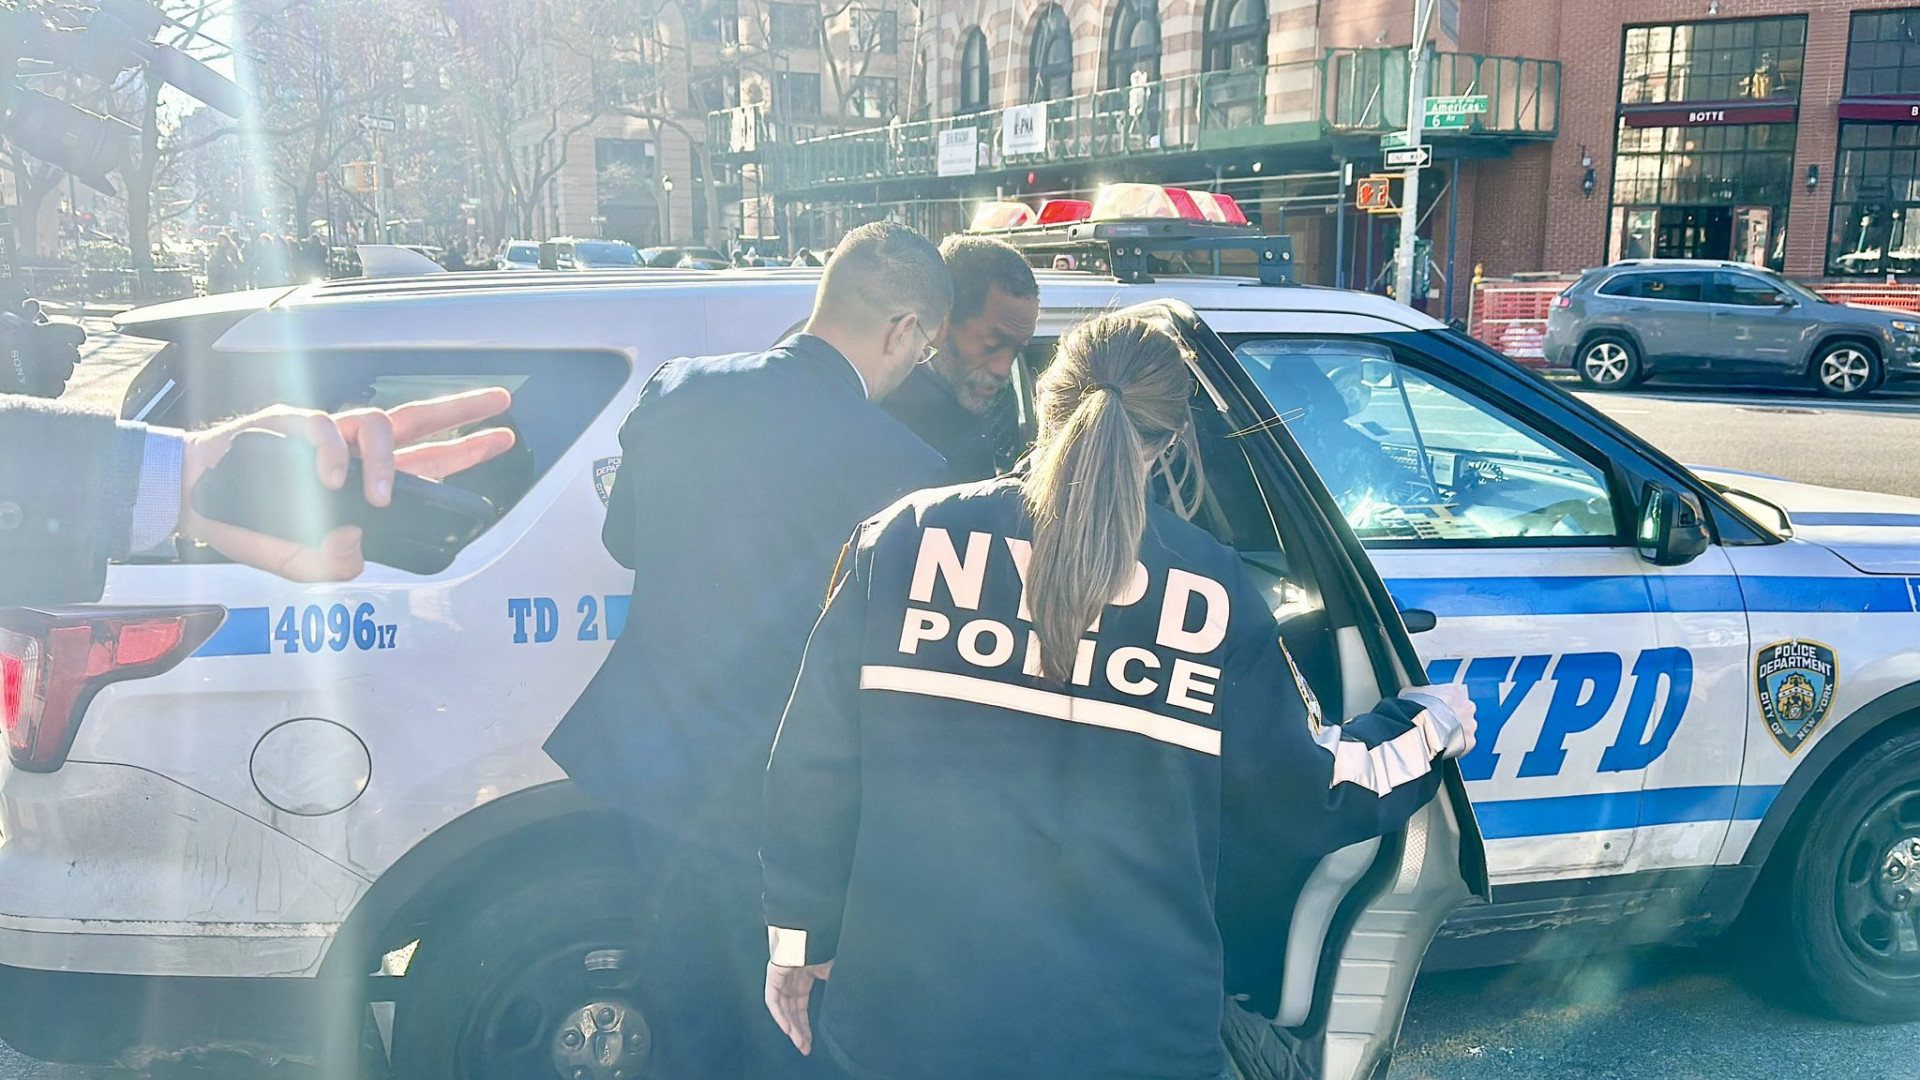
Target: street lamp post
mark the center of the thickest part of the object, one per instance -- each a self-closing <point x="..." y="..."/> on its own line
<point x="666" y="222"/>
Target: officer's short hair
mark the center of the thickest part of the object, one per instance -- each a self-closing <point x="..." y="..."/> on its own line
<point x="980" y="264"/>
<point x="880" y="268"/>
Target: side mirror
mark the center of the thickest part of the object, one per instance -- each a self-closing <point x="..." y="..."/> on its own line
<point x="1785" y="300"/>
<point x="1672" y="531"/>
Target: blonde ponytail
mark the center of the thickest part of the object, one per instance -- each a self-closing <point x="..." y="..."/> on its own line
<point x="1116" y="393"/>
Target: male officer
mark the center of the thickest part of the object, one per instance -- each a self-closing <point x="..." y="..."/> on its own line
<point x="742" y="476"/>
<point x="959" y="402"/>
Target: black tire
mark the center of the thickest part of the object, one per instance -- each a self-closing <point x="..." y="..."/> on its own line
<point x="1847" y="369"/>
<point x="491" y="994"/>
<point x="1840" y="904"/>
<point x="1608" y="362"/>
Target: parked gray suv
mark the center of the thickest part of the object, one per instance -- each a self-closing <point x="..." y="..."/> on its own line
<point x="1724" y="322"/>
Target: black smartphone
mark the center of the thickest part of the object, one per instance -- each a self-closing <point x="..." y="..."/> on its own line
<point x="267" y="482"/>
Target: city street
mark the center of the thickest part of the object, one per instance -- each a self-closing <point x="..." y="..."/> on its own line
<point x="1668" y="1013"/>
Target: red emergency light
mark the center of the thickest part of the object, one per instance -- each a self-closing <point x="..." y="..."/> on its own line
<point x="1133" y="202"/>
<point x="1064" y="211"/>
<point x="999" y="216"/>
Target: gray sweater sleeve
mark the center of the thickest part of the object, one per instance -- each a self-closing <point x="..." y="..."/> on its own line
<point x="68" y="479"/>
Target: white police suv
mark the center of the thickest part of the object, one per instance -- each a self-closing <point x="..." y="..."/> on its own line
<point x="244" y="815"/>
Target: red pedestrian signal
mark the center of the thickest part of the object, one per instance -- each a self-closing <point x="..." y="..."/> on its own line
<point x="1374" y="193"/>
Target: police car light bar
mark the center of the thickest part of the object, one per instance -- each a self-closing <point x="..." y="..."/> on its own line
<point x="1125" y="225"/>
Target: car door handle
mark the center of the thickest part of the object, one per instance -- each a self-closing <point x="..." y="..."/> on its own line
<point x="1639" y="309"/>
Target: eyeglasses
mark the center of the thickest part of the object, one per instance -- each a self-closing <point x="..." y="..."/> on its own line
<point x="932" y="349"/>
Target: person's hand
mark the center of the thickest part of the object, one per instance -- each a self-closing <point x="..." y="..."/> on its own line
<point x="385" y="441"/>
<point x="788" y="991"/>
<point x="1455" y="697"/>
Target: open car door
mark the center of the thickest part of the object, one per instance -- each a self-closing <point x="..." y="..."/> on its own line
<point x="1366" y="914"/>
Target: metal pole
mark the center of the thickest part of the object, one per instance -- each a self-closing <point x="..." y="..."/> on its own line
<point x="1416" y="109"/>
<point x="380" y="184"/>
<point x="1340" y="229"/>
<point x="1453" y="223"/>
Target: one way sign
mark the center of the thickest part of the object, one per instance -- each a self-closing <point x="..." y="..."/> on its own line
<point x="1410" y="157"/>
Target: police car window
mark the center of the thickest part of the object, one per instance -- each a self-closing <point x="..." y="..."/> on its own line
<point x="556" y="394"/>
<point x="1411" y="459"/>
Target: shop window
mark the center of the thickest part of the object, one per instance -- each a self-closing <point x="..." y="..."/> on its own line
<point x="1883" y="54"/>
<point x="1723" y="60"/>
<point x="1050" y="56"/>
<point x="1876" y="201"/>
<point x="717" y="23"/>
<point x="1133" y="43"/>
<point x="1236" y="35"/>
<point x="973" y="73"/>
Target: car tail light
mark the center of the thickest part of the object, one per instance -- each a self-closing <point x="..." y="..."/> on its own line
<point x="995" y="216"/>
<point x="52" y="663"/>
<point x="1064" y="211"/>
<point x="1563" y="301"/>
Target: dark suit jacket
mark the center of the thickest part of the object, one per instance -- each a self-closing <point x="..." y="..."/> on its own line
<point x="67" y="484"/>
<point x="741" y="477"/>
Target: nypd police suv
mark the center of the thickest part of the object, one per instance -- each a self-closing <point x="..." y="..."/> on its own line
<point x="1699" y="692"/>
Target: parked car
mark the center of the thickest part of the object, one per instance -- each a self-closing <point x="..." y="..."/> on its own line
<point x="679" y="256"/>
<point x="569" y="253"/>
<point x="1723" y="322"/>
<point x="518" y="255"/>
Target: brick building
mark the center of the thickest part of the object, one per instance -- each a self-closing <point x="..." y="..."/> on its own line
<point x="1772" y="130"/>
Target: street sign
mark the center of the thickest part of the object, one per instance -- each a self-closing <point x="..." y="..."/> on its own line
<point x="1410" y="157"/>
<point x="1458" y="105"/>
<point x="379" y="123"/>
<point x="1447" y="121"/>
<point x="1393" y="140"/>
<point x="1374" y="194"/>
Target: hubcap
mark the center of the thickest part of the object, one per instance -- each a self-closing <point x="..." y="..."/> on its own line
<point x="1845" y="370"/>
<point x="604" y="1040"/>
<point x="1606" y="363"/>
<point x="1879" y="888"/>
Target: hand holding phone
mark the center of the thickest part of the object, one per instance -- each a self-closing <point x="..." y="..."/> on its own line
<point x="285" y="497"/>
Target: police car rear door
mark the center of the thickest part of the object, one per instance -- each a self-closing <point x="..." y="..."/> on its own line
<point x="1611" y="691"/>
<point x="1363" y="921"/>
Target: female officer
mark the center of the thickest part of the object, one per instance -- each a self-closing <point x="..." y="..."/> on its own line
<point x="1043" y="725"/>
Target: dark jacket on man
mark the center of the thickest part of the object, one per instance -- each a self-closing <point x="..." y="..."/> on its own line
<point x="67" y="485"/>
<point x="741" y="478"/>
<point x="1016" y="878"/>
<point x="971" y="443"/>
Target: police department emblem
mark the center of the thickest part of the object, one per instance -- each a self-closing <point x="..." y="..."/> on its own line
<point x="604" y="471"/>
<point x="1795" y="681"/>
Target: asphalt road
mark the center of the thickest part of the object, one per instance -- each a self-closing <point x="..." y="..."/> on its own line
<point x="1678" y="1014"/>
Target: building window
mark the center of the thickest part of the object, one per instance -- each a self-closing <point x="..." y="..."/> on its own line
<point x="1715" y="192"/>
<point x="1876" y="201"/>
<point x="1724" y="60"/>
<point x="718" y="23"/>
<point x="1133" y="43"/>
<point x="1236" y="35"/>
<point x="796" y="95"/>
<point x="712" y="91"/>
<point x="873" y="97"/>
<point x="973" y="73"/>
<point x="1883" y="54"/>
<point x="875" y="31"/>
<point x="623" y="195"/>
<point x="793" y="26"/>
<point x="1050" y="56"/>
<point x="622" y="82"/>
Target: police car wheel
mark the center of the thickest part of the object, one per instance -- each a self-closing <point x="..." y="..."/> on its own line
<point x="1852" y="904"/>
<point x="1847" y="370"/>
<point x="538" y="982"/>
<point x="1609" y="363"/>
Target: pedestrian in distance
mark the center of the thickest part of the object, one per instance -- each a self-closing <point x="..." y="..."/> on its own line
<point x="223" y="265"/>
<point x="742" y="477"/>
<point x="1046" y="755"/>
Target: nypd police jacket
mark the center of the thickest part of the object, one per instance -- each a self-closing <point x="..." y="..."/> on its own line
<point x="1016" y="878"/>
<point x="67" y="485"/>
